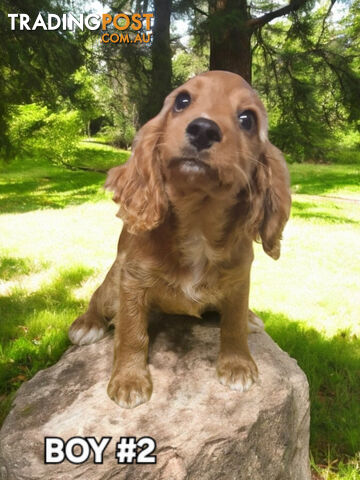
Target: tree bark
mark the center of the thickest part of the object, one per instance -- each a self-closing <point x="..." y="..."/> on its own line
<point x="161" y="56"/>
<point x="230" y="37"/>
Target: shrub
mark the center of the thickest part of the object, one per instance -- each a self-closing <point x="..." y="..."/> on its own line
<point x="35" y="131"/>
<point x="121" y="134"/>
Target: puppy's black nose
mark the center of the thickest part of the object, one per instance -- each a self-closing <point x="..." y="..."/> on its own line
<point x="202" y="133"/>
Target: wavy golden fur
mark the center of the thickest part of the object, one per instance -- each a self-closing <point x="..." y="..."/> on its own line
<point x="202" y="183"/>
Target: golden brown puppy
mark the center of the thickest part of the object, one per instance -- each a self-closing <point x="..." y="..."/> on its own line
<point x="202" y="183"/>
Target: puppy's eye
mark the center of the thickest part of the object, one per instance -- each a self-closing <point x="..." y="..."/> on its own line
<point x="182" y="101"/>
<point x="247" y="120"/>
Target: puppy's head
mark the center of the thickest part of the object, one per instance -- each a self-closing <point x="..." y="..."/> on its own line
<point x="210" y="137"/>
<point x="216" y="128"/>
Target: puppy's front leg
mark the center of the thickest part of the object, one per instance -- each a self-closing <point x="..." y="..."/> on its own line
<point x="130" y="383"/>
<point x="235" y="366"/>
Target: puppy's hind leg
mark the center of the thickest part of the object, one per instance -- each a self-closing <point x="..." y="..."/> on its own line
<point x="90" y="326"/>
<point x="94" y="323"/>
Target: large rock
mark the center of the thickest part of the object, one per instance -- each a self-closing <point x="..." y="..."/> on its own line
<point x="203" y="430"/>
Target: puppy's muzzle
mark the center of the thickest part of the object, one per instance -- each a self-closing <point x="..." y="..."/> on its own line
<point x="202" y="133"/>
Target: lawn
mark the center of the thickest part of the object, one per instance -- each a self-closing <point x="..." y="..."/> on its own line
<point x="58" y="238"/>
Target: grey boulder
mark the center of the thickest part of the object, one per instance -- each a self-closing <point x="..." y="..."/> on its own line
<point x="203" y="431"/>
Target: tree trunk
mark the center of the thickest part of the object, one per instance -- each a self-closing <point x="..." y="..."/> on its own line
<point x="230" y="37"/>
<point x="161" y="56"/>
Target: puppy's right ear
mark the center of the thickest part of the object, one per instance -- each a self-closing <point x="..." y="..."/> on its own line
<point x="116" y="179"/>
<point x="138" y="184"/>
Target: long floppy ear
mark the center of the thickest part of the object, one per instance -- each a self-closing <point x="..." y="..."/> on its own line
<point x="138" y="184"/>
<point x="271" y="200"/>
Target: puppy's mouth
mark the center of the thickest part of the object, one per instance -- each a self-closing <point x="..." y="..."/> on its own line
<point x="189" y="165"/>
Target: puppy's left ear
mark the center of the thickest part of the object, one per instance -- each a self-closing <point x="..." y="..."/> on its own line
<point x="277" y="201"/>
<point x="272" y="200"/>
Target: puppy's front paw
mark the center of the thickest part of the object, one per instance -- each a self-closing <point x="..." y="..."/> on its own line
<point x="130" y="390"/>
<point x="87" y="329"/>
<point x="236" y="372"/>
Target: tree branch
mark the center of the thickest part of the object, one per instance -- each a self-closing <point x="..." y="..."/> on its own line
<point x="332" y="2"/>
<point x="197" y="9"/>
<point x="258" y="22"/>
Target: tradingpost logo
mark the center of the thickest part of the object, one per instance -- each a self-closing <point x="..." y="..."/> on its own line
<point x="118" y="28"/>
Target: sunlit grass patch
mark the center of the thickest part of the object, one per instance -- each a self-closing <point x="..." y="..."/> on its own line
<point x="312" y="292"/>
<point x="328" y="180"/>
<point x="316" y="278"/>
<point x="58" y="235"/>
<point x="337" y="469"/>
<point x="85" y="234"/>
<point x="100" y="156"/>
<point x="33" y="326"/>
<point x="71" y="249"/>
<point x="22" y="312"/>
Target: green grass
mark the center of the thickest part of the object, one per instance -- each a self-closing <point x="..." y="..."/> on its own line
<point x="327" y="180"/>
<point x="27" y="184"/>
<point x="58" y="238"/>
<point x="332" y="365"/>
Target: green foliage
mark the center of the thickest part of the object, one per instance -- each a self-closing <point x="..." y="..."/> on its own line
<point x="125" y="80"/>
<point x="85" y="99"/>
<point x="34" y="131"/>
<point x="119" y="99"/>
<point x="35" y="65"/>
<point x="187" y="64"/>
<point x="121" y="133"/>
<point x="59" y="136"/>
<point x="347" y="149"/>
<point x="305" y="68"/>
<point x="25" y="122"/>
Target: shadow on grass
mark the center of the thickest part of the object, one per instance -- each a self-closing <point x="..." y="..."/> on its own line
<point x="54" y="190"/>
<point x="319" y="179"/>
<point x="332" y="366"/>
<point x="33" y="329"/>
<point x="14" y="267"/>
<point x="320" y="211"/>
<point x="98" y="156"/>
<point x="37" y="185"/>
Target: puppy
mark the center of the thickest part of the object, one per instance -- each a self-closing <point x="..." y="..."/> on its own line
<point x="203" y="182"/>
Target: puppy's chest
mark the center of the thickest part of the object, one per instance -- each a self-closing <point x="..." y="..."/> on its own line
<point x="201" y="268"/>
